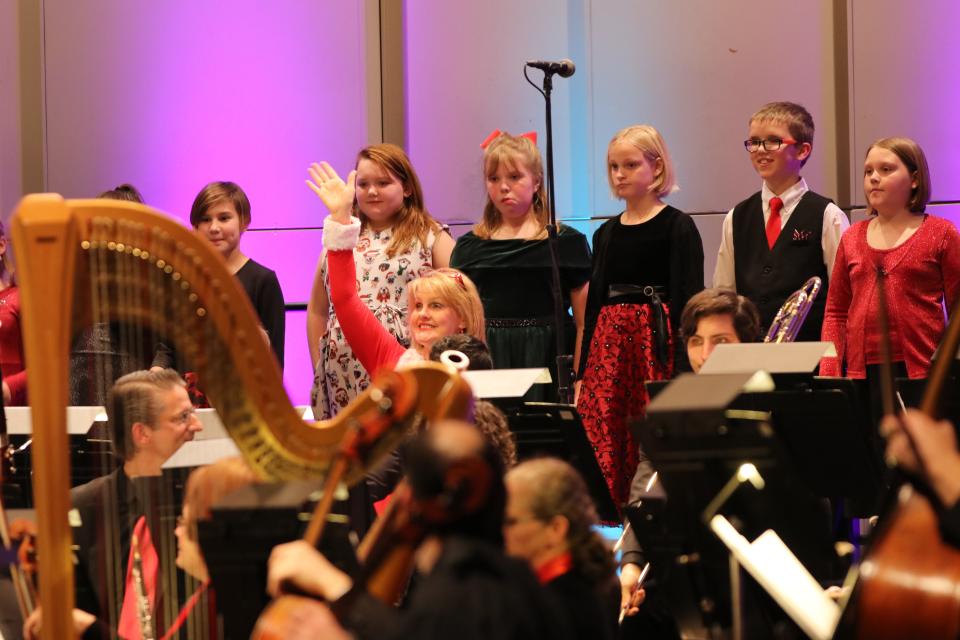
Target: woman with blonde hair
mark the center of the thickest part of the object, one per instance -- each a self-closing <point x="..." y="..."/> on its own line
<point x="647" y="262"/>
<point x="507" y="255"/>
<point x="399" y="242"/>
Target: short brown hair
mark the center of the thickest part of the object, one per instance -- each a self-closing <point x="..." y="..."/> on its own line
<point x="125" y="191"/>
<point x="798" y="120"/>
<point x="512" y="151"/>
<point x="913" y="158"/>
<point x="132" y="399"/>
<point x="713" y="302"/>
<point x="216" y="192"/>
<point x="412" y="221"/>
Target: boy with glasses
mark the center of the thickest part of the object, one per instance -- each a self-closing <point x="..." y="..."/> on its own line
<point x="784" y="234"/>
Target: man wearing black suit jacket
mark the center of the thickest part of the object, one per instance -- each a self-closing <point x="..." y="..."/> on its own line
<point x="150" y="417"/>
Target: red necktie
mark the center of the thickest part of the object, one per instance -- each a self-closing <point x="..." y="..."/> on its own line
<point x="149" y="564"/>
<point x="773" y="224"/>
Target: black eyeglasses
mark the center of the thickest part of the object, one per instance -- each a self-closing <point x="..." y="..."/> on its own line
<point x="770" y="144"/>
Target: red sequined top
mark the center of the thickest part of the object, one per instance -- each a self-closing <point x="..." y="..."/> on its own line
<point x="923" y="273"/>
<point x="11" y="346"/>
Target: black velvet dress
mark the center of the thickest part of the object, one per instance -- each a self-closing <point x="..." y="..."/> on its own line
<point x="514" y="280"/>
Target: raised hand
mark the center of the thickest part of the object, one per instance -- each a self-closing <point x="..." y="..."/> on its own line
<point x="336" y="194"/>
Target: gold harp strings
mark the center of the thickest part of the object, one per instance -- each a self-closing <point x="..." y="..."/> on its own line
<point x="111" y="578"/>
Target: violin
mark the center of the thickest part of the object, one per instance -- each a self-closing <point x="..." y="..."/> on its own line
<point x="909" y="581"/>
<point x="386" y="554"/>
<point x="393" y="395"/>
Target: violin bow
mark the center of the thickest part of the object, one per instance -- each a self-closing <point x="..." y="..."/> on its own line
<point x="886" y="366"/>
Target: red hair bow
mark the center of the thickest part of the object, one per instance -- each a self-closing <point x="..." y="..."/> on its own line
<point x="529" y="135"/>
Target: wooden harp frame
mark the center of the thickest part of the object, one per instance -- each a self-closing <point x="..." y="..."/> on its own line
<point x="154" y="271"/>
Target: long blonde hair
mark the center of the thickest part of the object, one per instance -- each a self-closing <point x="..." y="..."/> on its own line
<point x="512" y="151"/>
<point x="457" y="291"/>
<point x="412" y="222"/>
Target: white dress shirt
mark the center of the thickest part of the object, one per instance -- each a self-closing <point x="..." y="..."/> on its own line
<point x="835" y="222"/>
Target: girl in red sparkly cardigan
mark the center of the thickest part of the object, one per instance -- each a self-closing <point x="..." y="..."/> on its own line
<point x="918" y="252"/>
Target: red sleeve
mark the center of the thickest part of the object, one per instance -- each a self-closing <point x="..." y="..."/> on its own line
<point x="950" y="267"/>
<point x="838" y="306"/>
<point x="373" y="345"/>
<point x="18" y="388"/>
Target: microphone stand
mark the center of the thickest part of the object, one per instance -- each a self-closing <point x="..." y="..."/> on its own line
<point x="564" y="360"/>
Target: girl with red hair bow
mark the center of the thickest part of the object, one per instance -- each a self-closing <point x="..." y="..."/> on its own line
<point x="508" y="258"/>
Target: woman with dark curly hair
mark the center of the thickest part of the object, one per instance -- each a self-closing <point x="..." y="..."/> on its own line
<point x="549" y="523"/>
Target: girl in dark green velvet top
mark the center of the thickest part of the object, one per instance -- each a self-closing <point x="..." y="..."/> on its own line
<point x="507" y="257"/>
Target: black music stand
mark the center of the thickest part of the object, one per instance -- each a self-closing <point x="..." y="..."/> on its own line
<point x="548" y="429"/>
<point x="244" y="528"/>
<point x="697" y="439"/>
<point x="825" y="430"/>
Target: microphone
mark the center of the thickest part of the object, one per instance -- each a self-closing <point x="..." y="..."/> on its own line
<point x="565" y="68"/>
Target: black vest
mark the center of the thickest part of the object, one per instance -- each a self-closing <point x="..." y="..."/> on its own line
<point x="768" y="276"/>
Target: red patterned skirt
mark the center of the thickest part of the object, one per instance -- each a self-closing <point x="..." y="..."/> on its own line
<point x="621" y="358"/>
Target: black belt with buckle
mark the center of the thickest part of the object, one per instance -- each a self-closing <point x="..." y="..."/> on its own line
<point x="636" y="294"/>
<point x="655" y="297"/>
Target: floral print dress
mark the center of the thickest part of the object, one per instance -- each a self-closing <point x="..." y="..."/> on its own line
<point x="382" y="285"/>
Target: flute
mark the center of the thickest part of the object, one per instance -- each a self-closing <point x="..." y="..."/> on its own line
<point x="144" y="615"/>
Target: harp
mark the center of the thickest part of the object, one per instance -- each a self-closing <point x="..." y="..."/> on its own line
<point x="84" y="262"/>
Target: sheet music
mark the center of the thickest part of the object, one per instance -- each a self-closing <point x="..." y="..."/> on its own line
<point x="505" y="383"/>
<point x="80" y="419"/>
<point x="773" y="357"/>
<point x="693" y="392"/>
<point x="197" y="453"/>
<point x="778" y="571"/>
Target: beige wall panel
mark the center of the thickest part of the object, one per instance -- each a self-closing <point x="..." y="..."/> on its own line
<point x="904" y="68"/>
<point x="10" y="159"/>
<point x="172" y="95"/>
<point x="465" y="78"/>
<point x="697" y="70"/>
